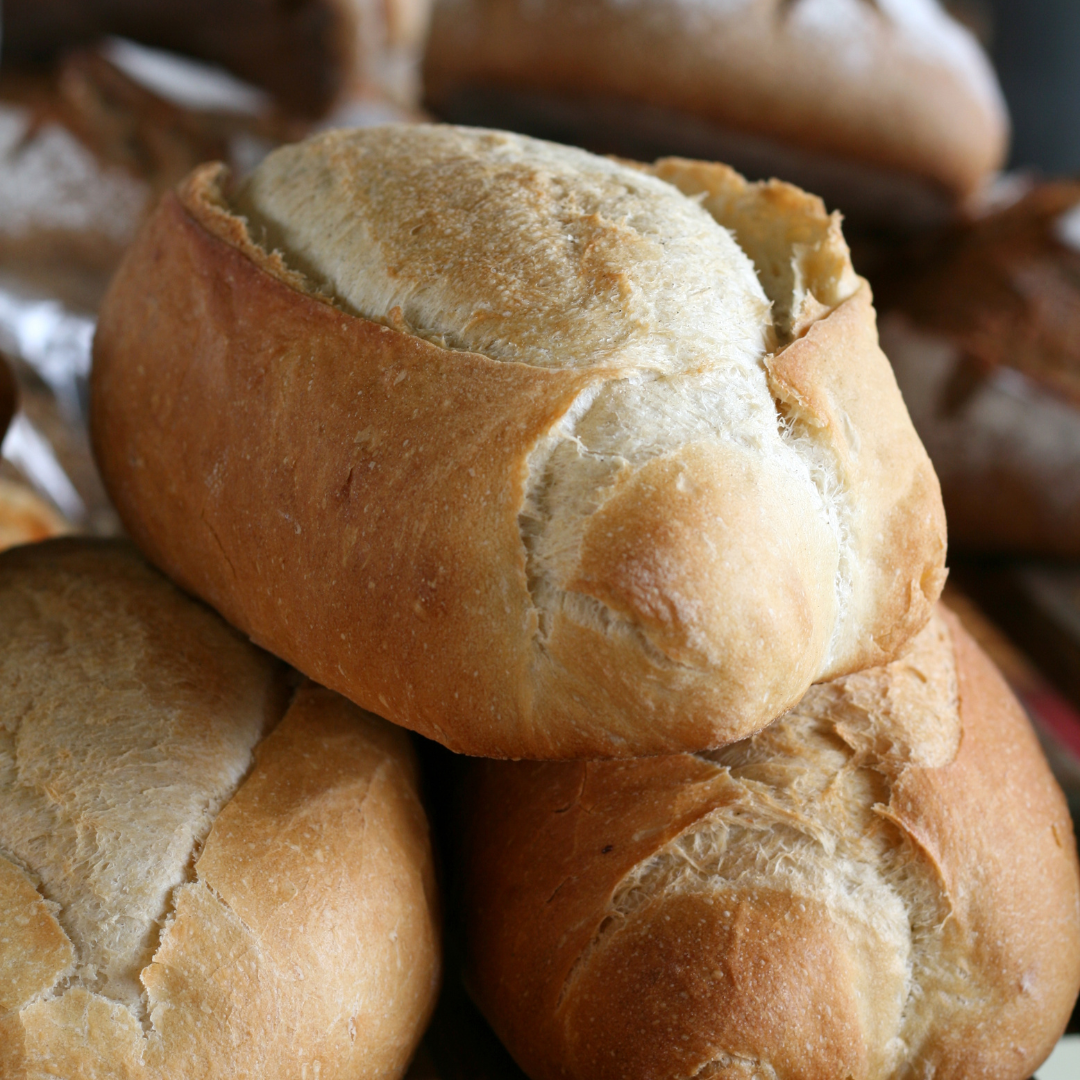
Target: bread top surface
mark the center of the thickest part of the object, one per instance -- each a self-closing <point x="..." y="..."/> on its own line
<point x="170" y="822"/>
<point x="817" y="74"/>
<point x="600" y="534"/>
<point x="521" y="250"/>
<point x="81" y="631"/>
<point x="883" y="881"/>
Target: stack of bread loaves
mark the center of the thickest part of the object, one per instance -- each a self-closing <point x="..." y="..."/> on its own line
<point x="549" y="456"/>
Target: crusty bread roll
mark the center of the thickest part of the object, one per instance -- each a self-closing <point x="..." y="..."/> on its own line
<point x="983" y="330"/>
<point x="25" y="517"/>
<point x="888" y="108"/>
<point x="883" y="884"/>
<point x="515" y="445"/>
<point x="307" y="53"/>
<point x="203" y="872"/>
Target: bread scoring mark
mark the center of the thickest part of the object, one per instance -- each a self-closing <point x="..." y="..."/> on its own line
<point x="803" y="811"/>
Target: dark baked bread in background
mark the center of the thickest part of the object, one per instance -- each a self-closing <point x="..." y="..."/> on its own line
<point x="883" y="883"/>
<point x="308" y="53"/>
<point x="206" y="869"/>
<point x="983" y="330"/>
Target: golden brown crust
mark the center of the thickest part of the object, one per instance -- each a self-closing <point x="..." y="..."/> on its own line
<point x="305" y="929"/>
<point x="628" y="919"/>
<point x="376" y="508"/>
<point x="766" y="68"/>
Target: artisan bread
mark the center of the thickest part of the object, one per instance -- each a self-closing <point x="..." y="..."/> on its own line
<point x="882" y="884"/>
<point x="519" y="447"/>
<point x="888" y="108"/>
<point x="308" y="53"/>
<point x="983" y="331"/>
<point x="205" y="869"/>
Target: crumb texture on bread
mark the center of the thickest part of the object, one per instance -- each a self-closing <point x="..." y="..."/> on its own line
<point x="618" y="438"/>
<point x="199" y="876"/>
<point x="881" y="884"/>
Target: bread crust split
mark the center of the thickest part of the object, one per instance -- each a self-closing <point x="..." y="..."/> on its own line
<point x="383" y="510"/>
<point x="759" y="79"/>
<point x="882" y="884"/>
<point x="204" y="872"/>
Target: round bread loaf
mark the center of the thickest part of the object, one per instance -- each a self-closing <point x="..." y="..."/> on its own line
<point x="882" y="884"/>
<point x="8" y="396"/>
<point x="888" y="108"/>
<point x="203" y="871"/>
<point x="536" y="453"/>
<point x="983" y="331"/>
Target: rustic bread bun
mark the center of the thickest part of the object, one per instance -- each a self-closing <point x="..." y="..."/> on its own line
<point x="534" y="458"/>
<point x="307" y="53"/>
<point x="983" y="331"/>
<point x="25" y="517"/>
<point x="203" y="873"/>
<point x="888" y="109"/>
<point x="882" y="884"/>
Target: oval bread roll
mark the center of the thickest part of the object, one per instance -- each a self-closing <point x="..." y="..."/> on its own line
<point x="536" y="453"/>
<point x="203" y="873"/>
<point x="882" y="884"/>
<point x="888" y="108"/>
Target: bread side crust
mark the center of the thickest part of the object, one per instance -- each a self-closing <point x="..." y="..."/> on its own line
<point x="737" y="977"/>
<point x="319" y="556"/>
<point x="755" y="71"/>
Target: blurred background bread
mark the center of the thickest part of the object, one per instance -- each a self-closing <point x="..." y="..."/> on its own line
<point x="553" y="463"/>
<point x="883" y="883"/>
<point x="983" y="330"/>
<point x="889" y="110"/>
<point x="207" y="870"/>
<point x="310" y="55"/>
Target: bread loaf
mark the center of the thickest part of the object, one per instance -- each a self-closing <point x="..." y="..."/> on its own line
<point x="888" y="108"/>
<point x="882" y="884"/>
<point x="205" y="870"/>
<point x="982" y="330"/>
<point x="538" y="454"/>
